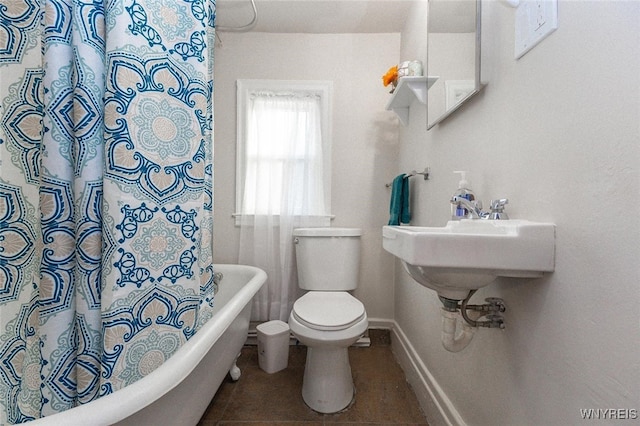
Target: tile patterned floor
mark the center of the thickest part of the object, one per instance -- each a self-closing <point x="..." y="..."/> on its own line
<point x="383" y="397"/>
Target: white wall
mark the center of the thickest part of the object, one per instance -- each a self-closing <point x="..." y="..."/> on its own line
<point x="365" y="137"/>
<point x="558" y="133"/>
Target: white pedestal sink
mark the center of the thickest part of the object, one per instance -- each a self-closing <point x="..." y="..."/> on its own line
<point x="469" y="254"/>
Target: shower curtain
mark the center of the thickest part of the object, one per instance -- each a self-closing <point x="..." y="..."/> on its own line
<point x="105" y="194"/>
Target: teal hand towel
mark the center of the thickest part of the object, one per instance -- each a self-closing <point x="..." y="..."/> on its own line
<point x="399" y="205"/>
<point x="405" y="216"/>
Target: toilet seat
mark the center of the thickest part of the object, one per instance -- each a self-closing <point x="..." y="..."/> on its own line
<point x="328" y="310"/>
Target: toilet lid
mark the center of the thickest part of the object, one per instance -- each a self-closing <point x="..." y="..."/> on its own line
<point x="328" y="310"/>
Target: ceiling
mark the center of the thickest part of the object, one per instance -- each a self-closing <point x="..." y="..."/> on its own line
<point x="317" y="16"/>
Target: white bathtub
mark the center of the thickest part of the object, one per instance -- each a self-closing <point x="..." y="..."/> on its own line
<point x="179" y="391"/>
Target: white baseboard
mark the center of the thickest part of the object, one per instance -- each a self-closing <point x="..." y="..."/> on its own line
<point x="252" y="338"/>
<point x="380" y="323"/>
<point x="434" y="402"/>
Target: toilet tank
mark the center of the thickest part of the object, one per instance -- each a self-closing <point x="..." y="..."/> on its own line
<point x="328" y="259"/>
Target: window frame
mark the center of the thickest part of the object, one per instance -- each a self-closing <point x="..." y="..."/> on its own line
<point x="244" y="89"/>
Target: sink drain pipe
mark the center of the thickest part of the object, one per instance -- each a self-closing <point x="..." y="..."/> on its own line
<point x="454" y="338"/>
<point x="459" y="325"/>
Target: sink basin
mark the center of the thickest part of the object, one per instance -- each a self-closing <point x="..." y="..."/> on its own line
<point x="469" y="254"/>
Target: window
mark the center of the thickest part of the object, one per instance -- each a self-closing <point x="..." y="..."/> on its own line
<point x="283" y="148"/>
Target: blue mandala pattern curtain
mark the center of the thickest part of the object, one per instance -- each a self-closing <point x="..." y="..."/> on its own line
<point x="105" y="194"/>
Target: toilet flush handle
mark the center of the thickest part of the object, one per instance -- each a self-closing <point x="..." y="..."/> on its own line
<point x="296" y="240"/>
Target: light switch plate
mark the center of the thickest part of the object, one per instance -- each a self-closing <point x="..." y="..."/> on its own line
<point x="535" y="20"/>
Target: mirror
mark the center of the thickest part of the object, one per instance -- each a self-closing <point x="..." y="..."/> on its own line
<point x="453" y="56"/>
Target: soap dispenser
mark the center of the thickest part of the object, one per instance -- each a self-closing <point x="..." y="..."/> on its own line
<point x="459" y="212"/>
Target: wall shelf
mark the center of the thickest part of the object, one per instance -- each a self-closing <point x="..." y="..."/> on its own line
<point x="408" y="89"/>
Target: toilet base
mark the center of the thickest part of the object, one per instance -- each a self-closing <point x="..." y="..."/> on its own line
<point x="327" y="385"/>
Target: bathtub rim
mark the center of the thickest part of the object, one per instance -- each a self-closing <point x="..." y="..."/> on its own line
<point x="171" y="373"/>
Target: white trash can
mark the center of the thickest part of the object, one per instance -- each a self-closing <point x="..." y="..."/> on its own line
<point x="273" y="345"/>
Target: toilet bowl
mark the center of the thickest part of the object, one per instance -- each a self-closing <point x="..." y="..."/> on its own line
<point x="328" y="319"/>
<point x="328" y="323"/>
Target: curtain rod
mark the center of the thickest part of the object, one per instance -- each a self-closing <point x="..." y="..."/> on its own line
<point x="242" y="28"/>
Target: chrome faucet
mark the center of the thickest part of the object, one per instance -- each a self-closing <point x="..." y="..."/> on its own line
<point x="471" y="207"/>
<point x="497" y="209"/>
<point x="475" y="208"/>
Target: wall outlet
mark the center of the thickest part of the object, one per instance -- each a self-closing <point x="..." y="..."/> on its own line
<point x="535" y="20"/>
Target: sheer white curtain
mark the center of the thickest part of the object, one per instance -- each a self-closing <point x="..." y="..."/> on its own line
<point x="283" y="188"/>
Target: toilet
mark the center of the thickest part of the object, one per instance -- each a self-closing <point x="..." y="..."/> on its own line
<point x="327" y="319"/>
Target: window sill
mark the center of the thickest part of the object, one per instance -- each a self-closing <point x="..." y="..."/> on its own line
<point x="249" y="219"/>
